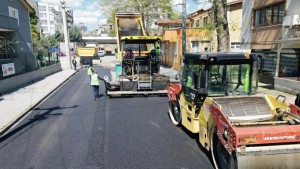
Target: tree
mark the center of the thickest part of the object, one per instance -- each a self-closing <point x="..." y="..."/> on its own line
<point x="59" y="36"/>
<point x="35" y="32"/>
<point x="151" y="10"/>
<point x="75" y="34"/>
<point x="220" y="19"/>
<point x="219" y="23"/>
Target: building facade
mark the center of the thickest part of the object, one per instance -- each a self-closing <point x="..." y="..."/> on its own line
<point x="50" y="18"/>
<point x="104" y="29"/>
<point x="15" y="38"/>
<point x="200" y="37"/>
<point x="272" y="27"/>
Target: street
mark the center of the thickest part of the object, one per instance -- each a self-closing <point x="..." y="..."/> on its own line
<point x="71" y="130"/>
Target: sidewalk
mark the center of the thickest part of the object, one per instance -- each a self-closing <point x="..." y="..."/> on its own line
<point x="16" y="104"/>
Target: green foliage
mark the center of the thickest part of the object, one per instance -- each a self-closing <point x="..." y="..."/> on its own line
<point x="59" y="36"/>
<point x="151" y="10"/>
<point x="75" y="34"/>
<point x="35" y="33"/>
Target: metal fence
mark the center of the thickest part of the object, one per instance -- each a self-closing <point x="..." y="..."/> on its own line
<point x="25" y="62"/>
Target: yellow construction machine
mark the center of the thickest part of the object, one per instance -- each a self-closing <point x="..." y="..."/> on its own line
<point x="216" y="99"/>
<point x="138" y="71"/>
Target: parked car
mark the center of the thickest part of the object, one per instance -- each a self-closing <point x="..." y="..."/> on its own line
<point x="101" y="53"/>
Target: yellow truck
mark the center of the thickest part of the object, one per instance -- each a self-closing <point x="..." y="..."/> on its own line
<point x="87" y="54"/>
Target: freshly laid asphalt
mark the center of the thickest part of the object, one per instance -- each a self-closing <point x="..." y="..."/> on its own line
<point x="15" y="105"/>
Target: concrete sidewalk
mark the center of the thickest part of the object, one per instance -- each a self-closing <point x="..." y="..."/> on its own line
<point x="15" y="105"/>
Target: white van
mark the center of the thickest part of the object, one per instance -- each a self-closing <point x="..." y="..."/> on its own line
<point x="101" y="52"/>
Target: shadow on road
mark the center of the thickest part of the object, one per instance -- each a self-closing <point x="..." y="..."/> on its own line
<point x="195" y="137"/>
<point x="33" y="121"/>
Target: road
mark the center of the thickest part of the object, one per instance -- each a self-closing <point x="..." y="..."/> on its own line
<point x="71" y="130"/>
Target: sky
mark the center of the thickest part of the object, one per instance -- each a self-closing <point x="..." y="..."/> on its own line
<point x="87" y="11"/>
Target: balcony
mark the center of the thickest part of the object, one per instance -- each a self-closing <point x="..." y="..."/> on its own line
<point x="8" y="23"/>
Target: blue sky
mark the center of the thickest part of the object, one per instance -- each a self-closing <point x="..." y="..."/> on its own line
<point x="87" y="11"/>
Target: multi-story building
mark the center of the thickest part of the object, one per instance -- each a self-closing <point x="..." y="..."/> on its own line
<point x="234" y="14"/>
<point x="200" y="36"/>
<point x="50" y="18"/>
<point x="16" y="55"/>
<point x="272" y="27"/>
<point x="104" y="29"/>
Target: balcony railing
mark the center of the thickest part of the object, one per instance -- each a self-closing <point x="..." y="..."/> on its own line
<point x="8" y="23"/>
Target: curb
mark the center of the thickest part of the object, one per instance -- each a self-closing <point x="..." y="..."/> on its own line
<point x="25" y="112"/>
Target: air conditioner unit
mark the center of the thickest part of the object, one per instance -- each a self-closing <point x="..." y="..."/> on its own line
<point x="290" y="21"/>
<point x="296" y="20"/>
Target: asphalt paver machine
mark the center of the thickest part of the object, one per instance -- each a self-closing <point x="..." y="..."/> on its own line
<point x="138" y="73"/>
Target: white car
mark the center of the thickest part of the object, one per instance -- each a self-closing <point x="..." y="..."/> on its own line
<point x="101" y="53"/>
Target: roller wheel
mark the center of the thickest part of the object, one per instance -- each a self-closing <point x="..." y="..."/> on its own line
<point x="220" y="156"/>
<point x="175" y="112"/>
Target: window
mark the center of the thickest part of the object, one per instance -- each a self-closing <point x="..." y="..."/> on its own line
<point x="43" y="22"/>
<point x="51" y="9"/>
<point x="13" y="13"/>
<point x="197" y="23"/>
<point x="271" y="15"/>
<point x="43" y="15"/>
<point x="51" y="17"/>
<point x="205" y="21"/>
<point x="235" y="47"/>
<point x="175" y="47"/>
<point x="195" y="46"/>
<point x="42" y="8"/>
<point x="45" y="28"/>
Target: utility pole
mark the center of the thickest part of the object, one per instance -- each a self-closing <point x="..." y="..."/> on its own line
<point x="183" y="29"/>
<point x="211" y="28"/>
<point x="66" y="34"/>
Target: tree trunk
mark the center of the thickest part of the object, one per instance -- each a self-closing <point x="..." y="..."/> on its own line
<point x="144" y="24"/>
<point x="220" y="17"/>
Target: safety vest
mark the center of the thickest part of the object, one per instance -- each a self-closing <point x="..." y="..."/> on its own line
<point x="247" y="79"/>
<point x="94" y="80"/>
<point x="89" y="71"/>
<point x="74" y="61"/>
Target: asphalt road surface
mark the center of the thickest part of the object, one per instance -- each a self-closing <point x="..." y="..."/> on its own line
<point x="70" y="130"/>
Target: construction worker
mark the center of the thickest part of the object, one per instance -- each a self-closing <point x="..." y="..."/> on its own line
<point x="90" y="72"/>
<point x="157" y="50"/>
<point x="95" y="82"/>
<point x="74" y="62"/>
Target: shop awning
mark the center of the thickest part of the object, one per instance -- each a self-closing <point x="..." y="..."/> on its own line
<point x="287" y="40"/>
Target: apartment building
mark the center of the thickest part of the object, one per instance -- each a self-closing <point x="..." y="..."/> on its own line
<point x="50" y="18"/>
<point x="272" y="27"/>
<point x="104" y="29"/>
